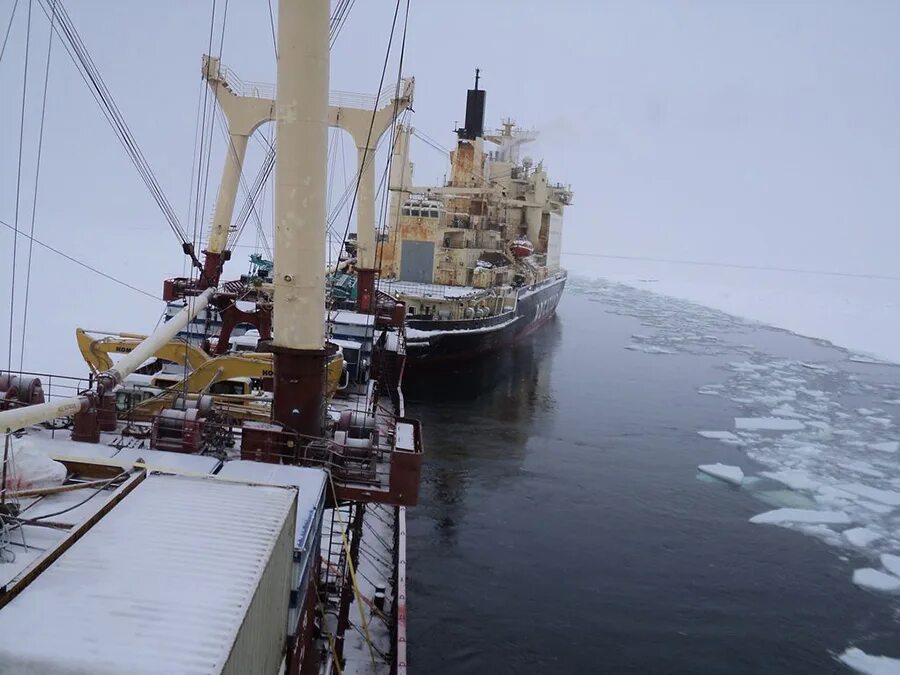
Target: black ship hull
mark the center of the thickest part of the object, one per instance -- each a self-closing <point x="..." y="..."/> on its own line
<point x="435" y="342"/>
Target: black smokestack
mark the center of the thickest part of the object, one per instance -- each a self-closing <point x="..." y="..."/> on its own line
<point x="474" y="112"/>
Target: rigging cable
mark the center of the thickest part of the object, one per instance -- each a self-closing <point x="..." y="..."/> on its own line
<point x="89" y="72"/>
<point x="37" y="176"/>
<point x="386" y="178"/>
<point x="12" y="284"/>
<point x="80" y="263"/>
<point x="201" y="194"/>
<point x="338" y="19"/>
<point x="272" y="24"/>
<point x="194" y="156"/>
<point x="365" y="157"/>
<point x="249" y="205"/>
<point x="252" y="194"/>
<point x="8" y="28"/>
<point x="386" y="196"/>
<point x="428" y="140"/>
<point x="394" y="139"/>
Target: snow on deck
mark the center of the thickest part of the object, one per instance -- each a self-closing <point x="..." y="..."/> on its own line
<point x="161" y="584"/>
<point x="375" y="569"/>
<point x="415" y="335"/>
<point x="419" y="289"/>
<point x="60" y="447"/>
<point x="310" y="484"/>
<point x="346" y="316"/>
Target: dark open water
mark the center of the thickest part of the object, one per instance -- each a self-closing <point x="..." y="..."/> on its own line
<point x="562" y="529"/>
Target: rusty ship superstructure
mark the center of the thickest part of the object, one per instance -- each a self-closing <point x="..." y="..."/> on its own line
<point x="475" y="261"/>
<point x="203" y="503"/>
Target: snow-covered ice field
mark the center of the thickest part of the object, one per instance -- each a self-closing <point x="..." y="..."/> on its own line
<point x="859" y="314"/>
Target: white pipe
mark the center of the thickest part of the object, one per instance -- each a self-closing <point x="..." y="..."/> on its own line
<point x="18" y="418"/>
<point x="154" y="342"/>
<point x="301" y="167"/>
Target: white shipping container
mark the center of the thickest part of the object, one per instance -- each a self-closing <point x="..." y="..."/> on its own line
<point x="185" y="575"/>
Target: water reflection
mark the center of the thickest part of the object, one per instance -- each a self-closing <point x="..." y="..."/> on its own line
<point x="512" y="373"/>
<point x="498" y="395"/>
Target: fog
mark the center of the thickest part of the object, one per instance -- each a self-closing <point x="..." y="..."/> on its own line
<point x="759" y="134"/>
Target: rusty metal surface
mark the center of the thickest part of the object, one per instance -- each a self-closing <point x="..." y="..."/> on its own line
<point x="299" y="389"/>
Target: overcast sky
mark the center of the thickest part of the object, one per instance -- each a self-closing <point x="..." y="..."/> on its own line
<point x="747" y="132"/>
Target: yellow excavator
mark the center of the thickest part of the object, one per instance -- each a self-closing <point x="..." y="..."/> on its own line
<point x="96" y="351"/>
<point x="234" y="380"/>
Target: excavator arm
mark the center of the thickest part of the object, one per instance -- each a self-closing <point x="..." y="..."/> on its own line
<point x="96" y="351"/>
<point x="253" y="365"/>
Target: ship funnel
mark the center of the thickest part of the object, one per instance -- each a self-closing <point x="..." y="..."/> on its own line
<point x="474" y="112"/>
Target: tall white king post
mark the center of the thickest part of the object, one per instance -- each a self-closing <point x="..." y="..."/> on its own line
<point x="301" y="112"/>
<point x="367" y="127"/>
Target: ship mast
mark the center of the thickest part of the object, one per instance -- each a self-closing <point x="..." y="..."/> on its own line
<point x="300" y="213"/>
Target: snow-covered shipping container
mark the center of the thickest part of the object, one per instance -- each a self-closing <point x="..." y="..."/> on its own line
<point x="310" y="484"/>
<point x="184" y="575"/>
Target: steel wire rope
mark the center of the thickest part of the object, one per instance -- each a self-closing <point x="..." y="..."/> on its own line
<point x="87" y="69"/>
<point x="385" y="201"/>
<point x="332" y="164"/>
<point x="37" y="175"/>
<point x="272" y="25"/>
<point x="82" y="264"/>
<point x="12" y="284"/>
<point x="232" y="151"/>
<point x="345" y="6"/>
<point x="268" y="187"/>
<point x="269" y="147"/>
<point x="199" y="210"/>
<point x="248" y="206"/>
<point x="428" y="140"/>
<point x="387" y="56"/>
<point x="12" y="16"/>
<point x="194" y="158"/>
<point x="100" y="488"/>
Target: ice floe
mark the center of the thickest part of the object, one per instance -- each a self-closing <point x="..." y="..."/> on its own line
<point x="886" y="446"/>
<point x="785" y="516"/>
<point x="887" y="497"/>
<point x="729" y="474"/>
<point x="649" y="349"/>
<point x="876" y="580"/>
<point x="870" y="665"/>
<point x="725" y="436"/>
<point x="795" y="479"/>
<point x="861" y="536"/>
<point x="891" y="563"/>
<point x="768" y="423"/>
